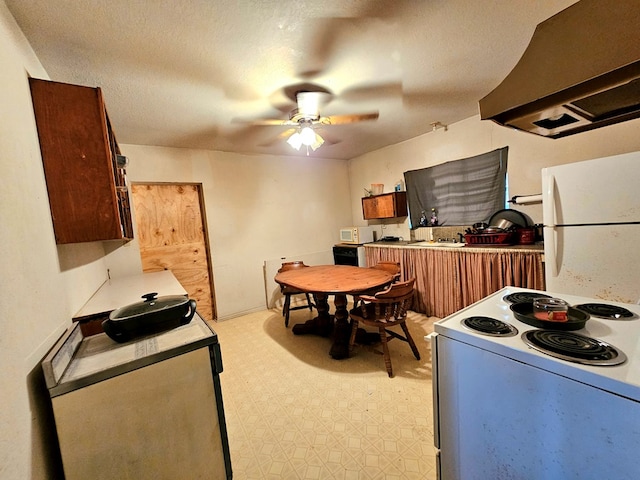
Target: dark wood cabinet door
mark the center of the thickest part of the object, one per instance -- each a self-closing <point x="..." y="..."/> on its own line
<point x="87" y="188"/>
<point x="387" y="205"/>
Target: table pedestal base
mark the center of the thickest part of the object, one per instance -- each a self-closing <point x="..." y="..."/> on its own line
<point x="337" y="326"/>
<point x="316" y="326"/>
<point x="322" y="325"/>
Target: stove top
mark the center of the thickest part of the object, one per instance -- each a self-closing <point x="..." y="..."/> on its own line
<point x="617" y="370"/>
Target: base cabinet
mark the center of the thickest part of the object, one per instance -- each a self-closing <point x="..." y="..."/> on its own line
<point x="387" y="205"/>
<point x="148" y="409"/>
<point x="84" y="170"/>
<point x="156" y="422"/>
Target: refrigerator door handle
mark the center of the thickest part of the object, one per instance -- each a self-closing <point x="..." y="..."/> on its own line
<point x="551" y="251"/>
<point x="548" y="213"/>
<point x="549" y="201"/>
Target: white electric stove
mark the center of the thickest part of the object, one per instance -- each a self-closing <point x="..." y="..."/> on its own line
<point x="506" y="408"/>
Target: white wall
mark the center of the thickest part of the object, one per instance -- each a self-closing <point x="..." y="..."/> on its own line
<point x="42" y="285"/>
<point x="528" y="154"/>
<point x="258" y="208"/>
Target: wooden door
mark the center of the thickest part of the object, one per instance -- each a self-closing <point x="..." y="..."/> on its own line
<point x="171" y="233"/>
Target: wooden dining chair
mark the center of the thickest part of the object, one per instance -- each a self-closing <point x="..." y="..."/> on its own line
<point x="390" y="267"/>
<point x="383" y="310"/>
<point x="288" y="292"/>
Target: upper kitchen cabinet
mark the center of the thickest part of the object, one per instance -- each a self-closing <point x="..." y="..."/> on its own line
<point x="387" y="205"/>
<point x="84" y="170"/>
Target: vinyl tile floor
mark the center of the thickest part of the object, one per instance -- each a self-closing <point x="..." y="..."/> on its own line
<point x="293" y="412"/>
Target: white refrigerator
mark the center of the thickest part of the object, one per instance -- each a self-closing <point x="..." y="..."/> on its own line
<point x="591" y="215"/>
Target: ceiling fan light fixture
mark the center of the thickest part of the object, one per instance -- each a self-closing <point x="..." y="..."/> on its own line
<point x="317" y="142"/>
<point x="295" y="140"/>
<point x="307" y="137"/>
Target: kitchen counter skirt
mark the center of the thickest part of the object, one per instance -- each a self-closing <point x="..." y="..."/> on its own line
<point x="449" y="279"/>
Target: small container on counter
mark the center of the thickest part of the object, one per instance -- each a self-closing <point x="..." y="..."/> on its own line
<point x="550" y="309"/>
<point x="526" y="235"/>
<point x="433" y="221"/>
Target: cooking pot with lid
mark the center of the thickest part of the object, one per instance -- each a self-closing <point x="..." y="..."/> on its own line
<point x="153" y="315"/>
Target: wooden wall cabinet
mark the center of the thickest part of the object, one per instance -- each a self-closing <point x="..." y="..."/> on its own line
<point x="387" y="205"/>
<point x="86" y="183"/>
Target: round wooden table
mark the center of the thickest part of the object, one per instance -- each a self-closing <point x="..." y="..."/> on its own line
<point x="339" y="281"/>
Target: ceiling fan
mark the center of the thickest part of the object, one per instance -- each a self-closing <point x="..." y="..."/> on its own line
<point x="306" y="118"/>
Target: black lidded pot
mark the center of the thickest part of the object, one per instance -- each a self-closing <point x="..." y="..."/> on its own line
<point x="153" y="315"/>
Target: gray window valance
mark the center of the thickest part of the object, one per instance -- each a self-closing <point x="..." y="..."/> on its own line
<point x="462" y="191"/>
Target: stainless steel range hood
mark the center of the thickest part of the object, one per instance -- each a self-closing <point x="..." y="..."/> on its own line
<point x="580" y="71"/>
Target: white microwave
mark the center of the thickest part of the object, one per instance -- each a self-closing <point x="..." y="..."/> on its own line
<point x="356" y="235"/>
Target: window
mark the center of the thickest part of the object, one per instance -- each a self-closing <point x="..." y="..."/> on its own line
<point x="463" y="192"/>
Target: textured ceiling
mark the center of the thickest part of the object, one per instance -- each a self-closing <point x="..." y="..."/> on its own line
<point x="181" y="73"/>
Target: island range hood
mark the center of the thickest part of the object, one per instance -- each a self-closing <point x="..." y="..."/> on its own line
<point x="580" y="71"/>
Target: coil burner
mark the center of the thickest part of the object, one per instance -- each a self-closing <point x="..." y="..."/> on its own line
<point x="524" y="297"/>
<point x="489" y="326"/>
<point x="574" y="347"/>
<point x="602" y="310"/>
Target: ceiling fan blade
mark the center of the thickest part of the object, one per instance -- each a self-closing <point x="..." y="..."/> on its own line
<point x="324" y="41"/>
<point x="281" y="137"/>
<point x="286" y="134"/>
<point x="372" y="92"/>
<point x="344" y="119"/>
<point x="329" y="137"/>
<point x="266" y="122"/>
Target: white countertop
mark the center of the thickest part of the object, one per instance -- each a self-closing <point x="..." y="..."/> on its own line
<point x="118" y="292"/>
<point x="466" y="248"/>
<point x="78" y="361"/>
